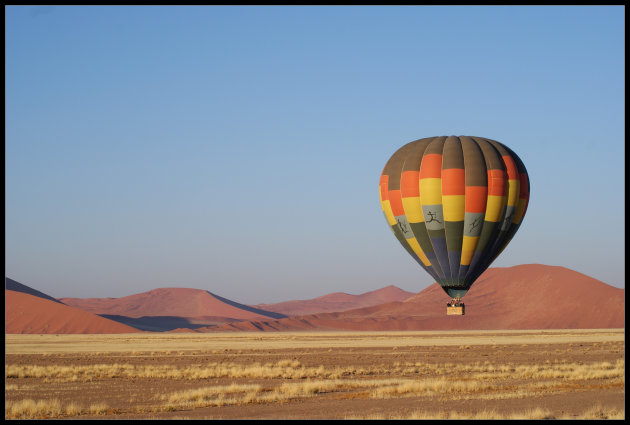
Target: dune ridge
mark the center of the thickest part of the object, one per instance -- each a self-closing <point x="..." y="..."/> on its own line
<point x="175" y="302"/>
<point x="529" y="296"/>
<point x="25" y="313"/>
<point x="338" y="301"/>
<point x="13" y="285"/>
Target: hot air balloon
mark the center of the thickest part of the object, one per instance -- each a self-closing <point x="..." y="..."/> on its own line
<point x="454" y="203"/>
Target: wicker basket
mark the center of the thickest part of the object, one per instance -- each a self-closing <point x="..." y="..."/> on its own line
<point x="455" y="309"/>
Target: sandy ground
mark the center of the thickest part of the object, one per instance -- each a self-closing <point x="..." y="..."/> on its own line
<point x="301" y="375"/>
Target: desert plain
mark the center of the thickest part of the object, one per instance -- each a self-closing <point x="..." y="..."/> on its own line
<point x="474" y="374"/>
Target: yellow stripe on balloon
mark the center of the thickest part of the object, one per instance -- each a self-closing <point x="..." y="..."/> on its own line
<point x="387" y="209"/>
<point x="415" y="246"/>
<point x="468" y="249"/>
<point x="413" y="209"/>
<point x="494" y="208"/>
<point x="431" y="191"/>
<point x="453" y="207"/>
<point x="514" y="186"/>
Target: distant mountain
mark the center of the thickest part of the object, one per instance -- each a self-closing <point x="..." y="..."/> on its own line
<point x="530" y="296"/>
<point x="338" y="301"/>
<point x="166" y="309"/>
<point x="30" y="314"/>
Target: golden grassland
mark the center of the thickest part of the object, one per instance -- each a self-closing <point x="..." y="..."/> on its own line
<point x="595" y="412"/>
<point x="32" y="409"/>
<point x="292" y="369"/>
<point x="55" y="343"/>
<point x="345" y="375"/>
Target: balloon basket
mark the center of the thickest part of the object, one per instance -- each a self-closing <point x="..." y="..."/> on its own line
<point x="455" y="309"/>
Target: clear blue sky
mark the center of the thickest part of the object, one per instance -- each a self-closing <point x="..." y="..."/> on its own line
<point x="239" y="149"/>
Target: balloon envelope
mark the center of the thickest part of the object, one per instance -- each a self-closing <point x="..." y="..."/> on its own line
<point x="454" y="203"/>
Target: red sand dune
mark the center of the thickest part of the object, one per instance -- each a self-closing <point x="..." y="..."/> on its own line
<point x="13" y="285"/>
<point x="338" y="301"/>
<point x="30" y="314"/>
<point x="531" y="296"/>
<point x="177" y="302"/>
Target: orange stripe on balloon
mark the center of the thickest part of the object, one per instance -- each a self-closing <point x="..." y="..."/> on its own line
<point x="476" y="197"/>
<point x="453" y="181"/>
<point x="383" y="186"/>
<point x="410" y="184"/>
<point x="510" y="166"/>
<point x="496" y="182"/>
<point x="395" y="200"/>
<point x="431" y="166"/>
<point x="496" y="174"/>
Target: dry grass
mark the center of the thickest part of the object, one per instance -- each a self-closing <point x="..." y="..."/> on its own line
<point x="212" y="396"/>
<point x="430" y="387"/>
<point x="595" y="412"/>
<point x="384" y="388"/>
<point x="292" y="369"/>
<point x="244" y="394"/>
<point x="574" y="371"/>
<point x="369" y="372"/>
<point x="43" y="409"/>
<point x="490" y="387"/>
<point x="160" y="343"/>
<point x="285" y="369"/>
<point x="598" y="412"/>
<point x="536" y="413"/>
<point x="489" y="370"/>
